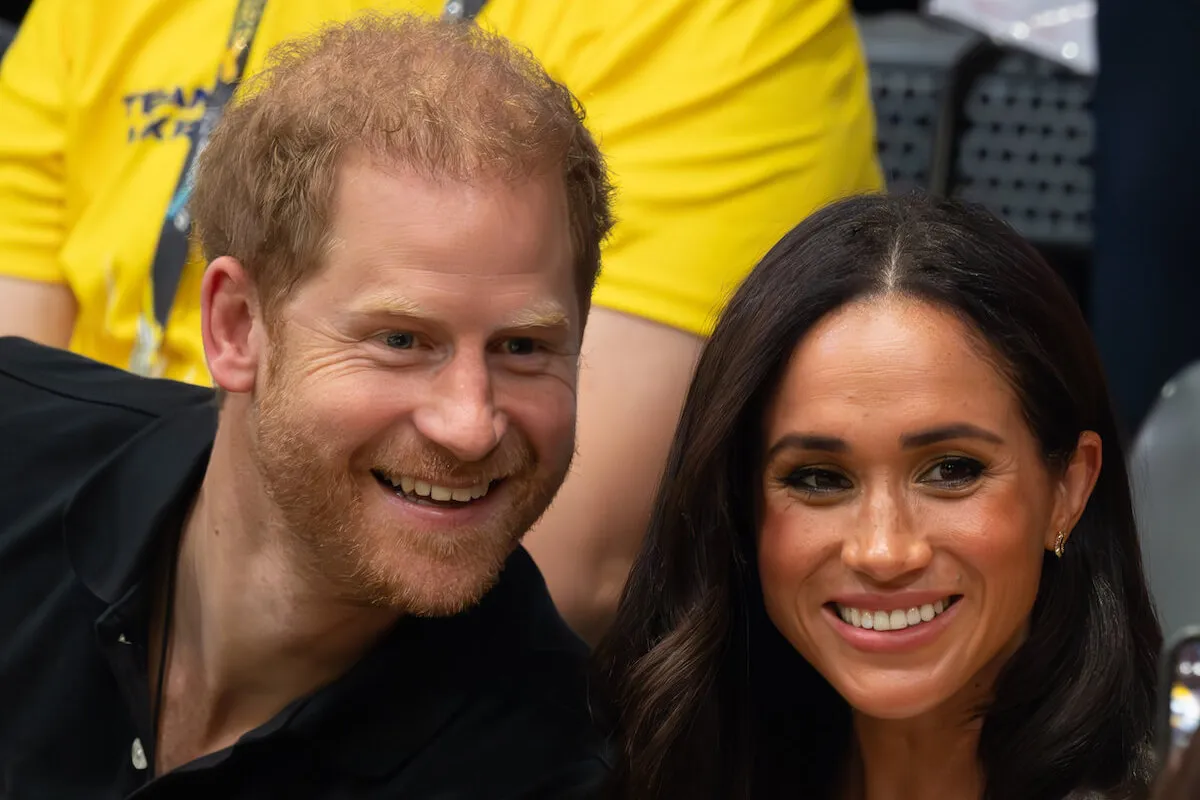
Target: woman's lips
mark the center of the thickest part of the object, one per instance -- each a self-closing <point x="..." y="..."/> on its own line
<point x="892" y="629"/>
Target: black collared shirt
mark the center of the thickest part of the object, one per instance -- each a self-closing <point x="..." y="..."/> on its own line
<point x="96" y="467"/>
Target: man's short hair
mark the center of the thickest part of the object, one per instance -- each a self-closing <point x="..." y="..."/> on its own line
<point x="442" y="97"/>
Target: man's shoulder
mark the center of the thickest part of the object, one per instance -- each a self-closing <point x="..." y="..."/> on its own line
<point x="493" y="702"/>
<point x="527" y="735"/>
<point x="552" y="692"/>
<point x="36" y="377"/>
<point x="521" y="600"/>
<point x="61" y="417"/>
<point x="533" y="653"/>
<point x="530" y="724"/>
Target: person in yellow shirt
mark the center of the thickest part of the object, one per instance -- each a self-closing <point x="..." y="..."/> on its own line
<point x="723" y="121"/>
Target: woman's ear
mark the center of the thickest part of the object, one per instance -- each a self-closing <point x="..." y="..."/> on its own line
<point x="1075" y="486"/>
<point x="229" y="320"/>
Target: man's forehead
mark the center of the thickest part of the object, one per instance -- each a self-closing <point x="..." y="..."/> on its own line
<point x="487" y="228"/>
<point x="503" y="309"/>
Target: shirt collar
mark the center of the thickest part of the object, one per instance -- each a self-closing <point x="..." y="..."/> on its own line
<point x="113" y="522"/>
<point x="381" y="712"/>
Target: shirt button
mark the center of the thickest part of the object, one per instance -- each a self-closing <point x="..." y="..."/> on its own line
<point x="138" y="755"/>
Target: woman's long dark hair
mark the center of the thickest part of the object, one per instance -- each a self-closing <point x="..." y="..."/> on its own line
<point x="710" y="701"/>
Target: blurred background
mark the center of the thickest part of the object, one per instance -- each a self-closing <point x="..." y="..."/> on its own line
<point x="1091" y="149"/>
<point x="962" y="113"/>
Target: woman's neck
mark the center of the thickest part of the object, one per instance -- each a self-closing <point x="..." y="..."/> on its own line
<point x="935" y="755"/>
<point x="932" y="754"/>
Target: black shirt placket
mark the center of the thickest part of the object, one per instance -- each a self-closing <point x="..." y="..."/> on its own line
<point x="122" y="633"/>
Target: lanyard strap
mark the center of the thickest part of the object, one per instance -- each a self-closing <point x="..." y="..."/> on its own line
<point x="464" y="9"/>
<point x="171" y="256"/>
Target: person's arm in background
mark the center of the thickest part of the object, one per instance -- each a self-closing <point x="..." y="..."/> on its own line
<point x="35" y="301"/>
<point x="43" y="312"/>
<point x="724" y="123"/>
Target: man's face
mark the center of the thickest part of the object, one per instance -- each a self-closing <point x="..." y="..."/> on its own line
<point x="417" y="410"/>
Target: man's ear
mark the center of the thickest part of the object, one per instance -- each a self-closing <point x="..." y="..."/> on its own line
<point x="231" y="324"/>
<point x="1075" y="486"/>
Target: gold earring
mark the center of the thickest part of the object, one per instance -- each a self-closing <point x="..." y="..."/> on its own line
<point x="1059" y="543"/>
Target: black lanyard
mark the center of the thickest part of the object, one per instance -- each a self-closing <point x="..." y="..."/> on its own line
<point x="464" y="9"/>
<point x="171" y="256"/>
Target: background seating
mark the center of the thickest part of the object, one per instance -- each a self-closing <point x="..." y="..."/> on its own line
<point x="960" y="116"/>
<point x="1165" y="467"/>
<point x="7" y="32"/>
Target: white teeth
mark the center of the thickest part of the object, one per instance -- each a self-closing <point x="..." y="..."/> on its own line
<point x="461" y="495"/>
<point x="440" y="493"/>
<point x="894" y="620"/>
<point x="407" y="484"/>
<point x="422" y="488"/>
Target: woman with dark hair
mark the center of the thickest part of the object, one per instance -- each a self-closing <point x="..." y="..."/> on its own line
<point x="885" y="561"/>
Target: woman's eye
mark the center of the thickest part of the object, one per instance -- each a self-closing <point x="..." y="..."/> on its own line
<point x="400" y="341"/>
<point x="520" y="346"/>
<point x="954" y="471"/>
<point x="817" y="481"/>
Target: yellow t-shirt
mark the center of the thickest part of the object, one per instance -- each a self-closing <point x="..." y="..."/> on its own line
<point x="724" y="123"/>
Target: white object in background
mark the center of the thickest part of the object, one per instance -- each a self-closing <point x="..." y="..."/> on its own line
<point x="1058" y="30"/>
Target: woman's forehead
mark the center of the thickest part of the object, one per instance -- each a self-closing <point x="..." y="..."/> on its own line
<point x="891" y="361"/>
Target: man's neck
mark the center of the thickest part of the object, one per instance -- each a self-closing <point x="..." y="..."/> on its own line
<point x="252" y="629"/>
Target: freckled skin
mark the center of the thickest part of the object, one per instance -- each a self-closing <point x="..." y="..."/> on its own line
<point x="894" y="518"/>
<point x="417" y="350"/>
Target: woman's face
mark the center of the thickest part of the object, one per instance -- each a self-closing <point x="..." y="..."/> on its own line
<point x="905" y="508"/>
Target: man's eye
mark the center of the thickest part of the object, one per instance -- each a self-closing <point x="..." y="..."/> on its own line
<point x="520" y="346"/>
<point x="400" y="341"/>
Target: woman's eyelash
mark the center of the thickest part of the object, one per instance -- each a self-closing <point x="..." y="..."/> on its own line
<point x="963" y="470"/>
<point x="949" y="471"/>
<point x="815" y="480"/>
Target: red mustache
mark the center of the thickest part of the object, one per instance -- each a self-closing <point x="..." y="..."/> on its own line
<point x="432" y="463"/>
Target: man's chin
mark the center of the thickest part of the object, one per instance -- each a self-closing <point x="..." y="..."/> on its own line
<point x="448" y="605"/>
<point x="423" y="588"/>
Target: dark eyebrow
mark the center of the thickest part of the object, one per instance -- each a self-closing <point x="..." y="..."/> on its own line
<point x="832" y="444"/>
<point x="958" y="430"/>
<point x="808" y="441"/>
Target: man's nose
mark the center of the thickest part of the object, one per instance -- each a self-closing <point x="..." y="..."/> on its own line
<point x="460" y="413"/>
<point x="885" y="545"/>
